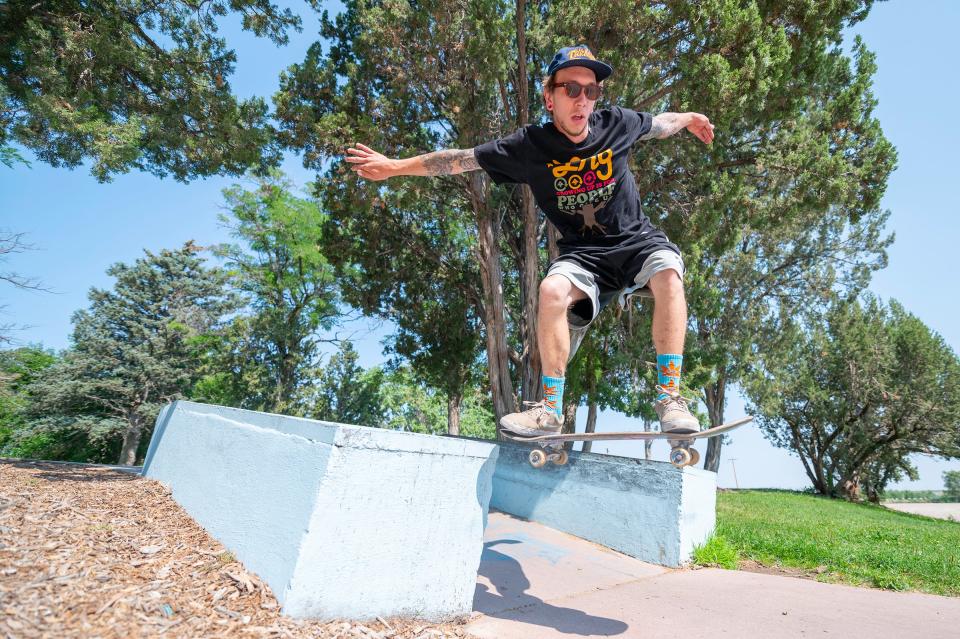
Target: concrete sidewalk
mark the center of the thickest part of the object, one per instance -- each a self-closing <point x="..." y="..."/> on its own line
<point x="538" y="583"/>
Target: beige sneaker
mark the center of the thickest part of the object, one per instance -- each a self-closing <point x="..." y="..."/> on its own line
<point x="674" y="414"/>
<point x="536" y="420"/>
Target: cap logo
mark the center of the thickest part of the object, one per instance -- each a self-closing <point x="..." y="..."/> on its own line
<point x="577" y="54"/>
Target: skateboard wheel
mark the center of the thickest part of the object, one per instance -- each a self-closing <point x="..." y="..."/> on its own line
<point x="694" y="456"/>
<point x="561" y="458"/>
<point x="537" y="458"/>
<point x="680" y="457"/>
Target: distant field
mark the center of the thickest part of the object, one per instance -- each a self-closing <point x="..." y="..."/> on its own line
<point x="833" y="540"/>
<point x="940" y="511"/>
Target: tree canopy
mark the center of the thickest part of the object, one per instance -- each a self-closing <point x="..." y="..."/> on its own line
<point x="133" y="85"/>
<point x="784" y="205"/>
<point x="856" y="390"/>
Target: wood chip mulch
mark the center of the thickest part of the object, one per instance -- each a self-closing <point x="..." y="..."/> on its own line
<point x="88" y="551"/>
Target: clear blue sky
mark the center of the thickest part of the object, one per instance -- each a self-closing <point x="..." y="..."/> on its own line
<point x="81" y="227"/>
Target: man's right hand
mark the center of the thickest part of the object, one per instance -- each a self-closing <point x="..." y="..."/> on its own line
<point x="371" y="165"/>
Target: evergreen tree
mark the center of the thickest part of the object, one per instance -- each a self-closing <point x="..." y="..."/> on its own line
<point x="348" y="394"/>
<point x="133" y="350"/>
<point x="18" y="369"/>
<point x="9" y="157"/>
<point x="132" y="85"/>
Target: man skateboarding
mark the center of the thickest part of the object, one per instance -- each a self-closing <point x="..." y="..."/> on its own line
<point x="577" y="168"/>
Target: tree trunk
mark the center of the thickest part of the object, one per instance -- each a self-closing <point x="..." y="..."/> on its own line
<point x="591" y="426"/>
<point x="850" y="488"/>
<point x="498" y="369"/>
<point x="530" y="260"/>
<point x="131" y="440"/>
<point x="711" y="461"/>
<point x="716" y="401"/>
<point x="815" y="474"/>
<point x="569" y="422"/>
<point x="820" y="480"/>
<point x="530" y="290"/>
<point x="453" y="413"/>
<point x="647" y="445"/>
<point x="570" y="418"/>
<point x="553" y="250"/>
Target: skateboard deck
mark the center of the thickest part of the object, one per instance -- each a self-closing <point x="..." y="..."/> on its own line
<point x="681" y="455"/>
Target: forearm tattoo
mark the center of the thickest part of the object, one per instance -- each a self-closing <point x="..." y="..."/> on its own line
<point x="450" y="161"/>
<point x="664" y="125"/>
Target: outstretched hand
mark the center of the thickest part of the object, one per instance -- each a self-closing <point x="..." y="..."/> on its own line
<point x="700" y="126"/>
<point x="369" y="164"/>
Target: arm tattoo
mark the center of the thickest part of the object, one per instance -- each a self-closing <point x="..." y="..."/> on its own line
<point x="450" y="162"/>
<point x="664" y="125"/>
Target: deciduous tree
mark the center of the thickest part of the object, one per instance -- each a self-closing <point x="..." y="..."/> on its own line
<point x="951" y="484"/>
<point x="854" y="392"/>
<point x="266" y="359"/>
<point x="19" y="367"/>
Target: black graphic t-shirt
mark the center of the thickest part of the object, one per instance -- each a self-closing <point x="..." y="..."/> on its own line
<point x="585" y="189"/>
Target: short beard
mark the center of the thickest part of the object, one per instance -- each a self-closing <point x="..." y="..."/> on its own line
<point x="577" y="133"/>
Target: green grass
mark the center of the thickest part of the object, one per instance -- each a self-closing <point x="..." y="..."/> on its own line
<point x="858" y="544"/>
<point x="717" y="552"/>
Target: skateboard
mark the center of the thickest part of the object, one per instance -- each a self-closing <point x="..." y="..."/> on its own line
<point x="551" y="446"/>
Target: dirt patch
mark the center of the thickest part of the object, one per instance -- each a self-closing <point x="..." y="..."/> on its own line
<point x="749" y="565"/>
<point x="88" y="551"/>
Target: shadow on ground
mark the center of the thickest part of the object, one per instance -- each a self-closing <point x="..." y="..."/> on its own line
<point x="511" y="601"/>
<point x="72" y="471"/>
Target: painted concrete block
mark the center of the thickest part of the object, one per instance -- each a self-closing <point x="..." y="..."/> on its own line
<point x="646" y="509"/>
<point x="340" y="520"/>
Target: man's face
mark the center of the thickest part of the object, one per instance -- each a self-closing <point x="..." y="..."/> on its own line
<point x="570" y="115"/>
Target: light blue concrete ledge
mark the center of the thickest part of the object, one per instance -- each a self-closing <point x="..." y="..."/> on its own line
<point x="646" y="509"/>
<point x="339" y="520"/>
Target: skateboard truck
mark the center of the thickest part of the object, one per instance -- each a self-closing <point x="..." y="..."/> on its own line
<point x="681" y="456"/>
<point x="548" y="453"/>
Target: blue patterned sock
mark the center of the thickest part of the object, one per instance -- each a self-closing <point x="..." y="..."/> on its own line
<point x="668" y="373"/>
<point x="553" y="393"/>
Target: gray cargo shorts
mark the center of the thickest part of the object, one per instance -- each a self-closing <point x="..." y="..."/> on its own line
<point x="582" y="313"/>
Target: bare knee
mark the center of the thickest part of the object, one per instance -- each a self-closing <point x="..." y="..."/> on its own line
<point x="666" y="283"/>
<point x="556" y="293"/>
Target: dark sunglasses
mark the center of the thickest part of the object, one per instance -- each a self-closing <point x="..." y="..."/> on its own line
<point x="573" y="89"/>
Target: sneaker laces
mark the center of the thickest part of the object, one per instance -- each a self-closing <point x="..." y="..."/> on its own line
<point x="540" y="404"/>
<point x="675" y="396"/>
<point x="544" y="406"/>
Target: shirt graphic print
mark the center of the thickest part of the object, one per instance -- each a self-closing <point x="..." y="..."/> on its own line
<point x="586" y="189"/>
<point x="584" y="186"/>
